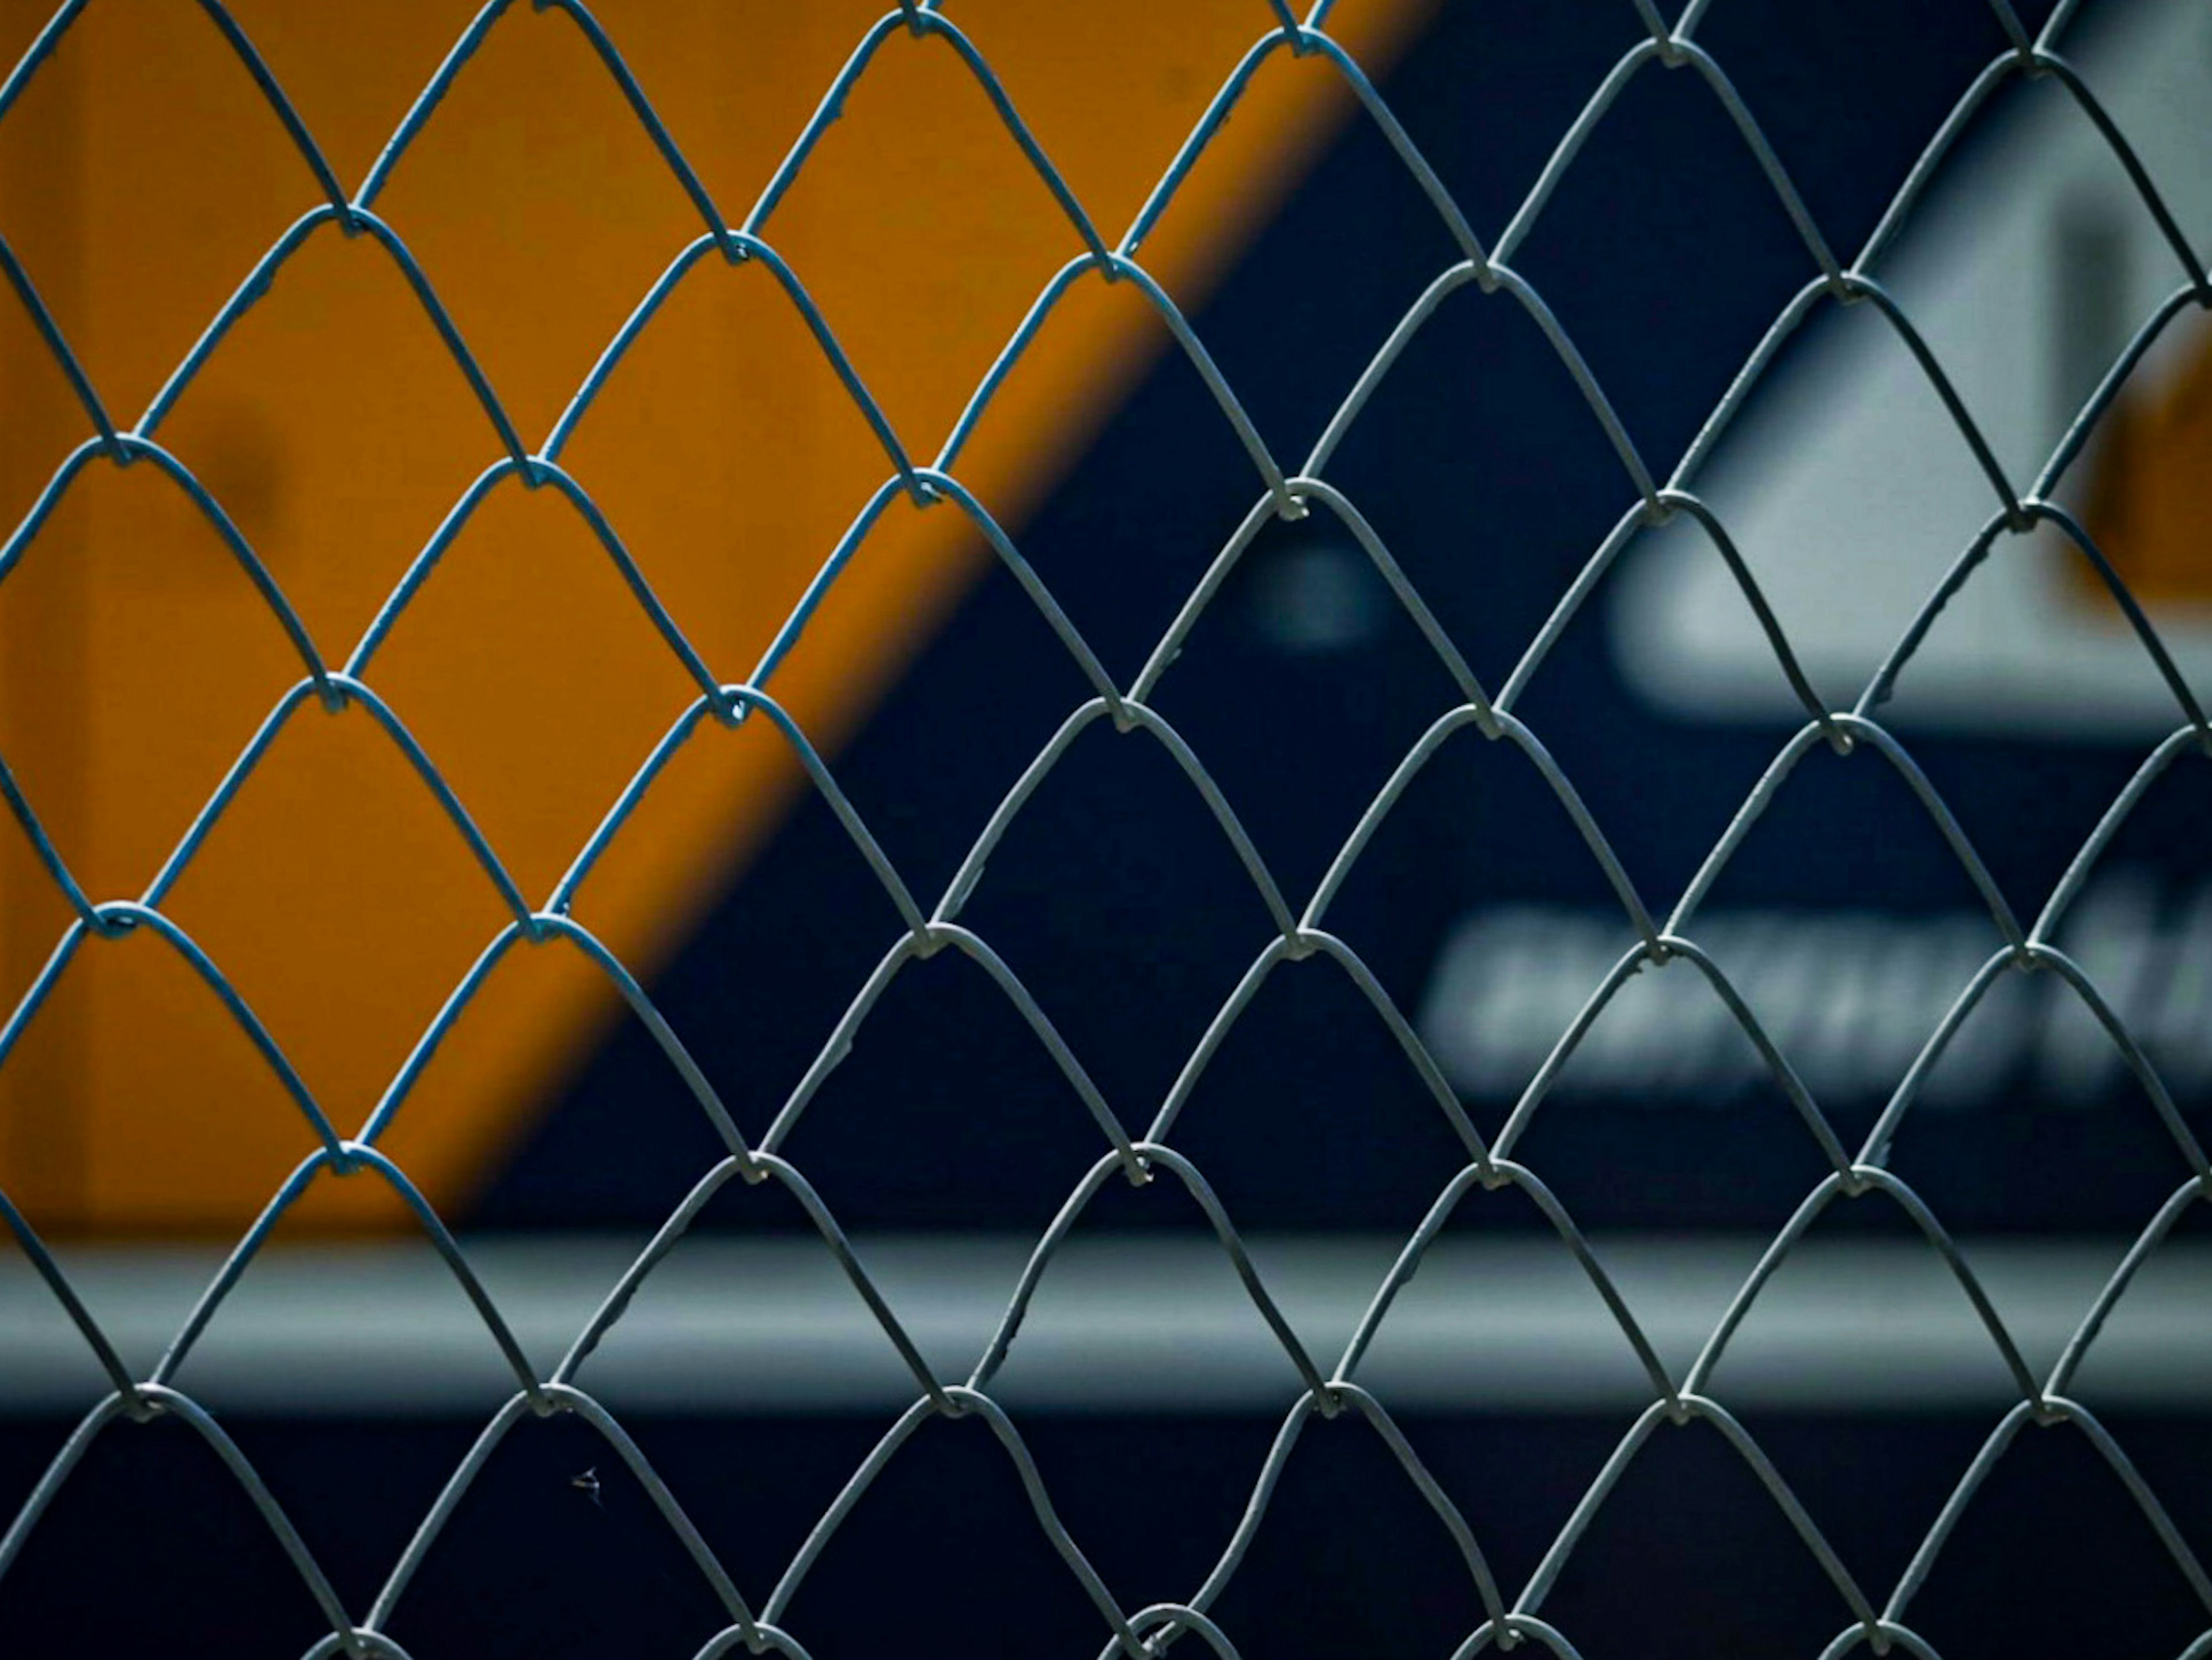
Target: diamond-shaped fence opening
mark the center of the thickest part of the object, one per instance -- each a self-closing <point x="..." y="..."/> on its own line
<point x="365" y="375"/>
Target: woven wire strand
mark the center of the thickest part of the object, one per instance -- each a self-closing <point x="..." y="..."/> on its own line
<point x="1312" y="1385"/>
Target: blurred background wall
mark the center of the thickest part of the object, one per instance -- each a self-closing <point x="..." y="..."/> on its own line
<point x="142" y="177"/>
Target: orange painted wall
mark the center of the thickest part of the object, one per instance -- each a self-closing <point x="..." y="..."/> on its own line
<point x="140" y="177"/>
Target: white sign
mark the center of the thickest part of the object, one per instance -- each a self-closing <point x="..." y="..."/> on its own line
<point x="1850" y="491"/>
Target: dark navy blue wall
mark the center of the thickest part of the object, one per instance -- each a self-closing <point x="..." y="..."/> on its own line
<point x="1666" y="256"/>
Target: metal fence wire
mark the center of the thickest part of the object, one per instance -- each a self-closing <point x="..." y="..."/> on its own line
<point x="1667" y="938"/>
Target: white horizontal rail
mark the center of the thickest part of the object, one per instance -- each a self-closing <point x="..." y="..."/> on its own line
<point x="1147" y="1323"/>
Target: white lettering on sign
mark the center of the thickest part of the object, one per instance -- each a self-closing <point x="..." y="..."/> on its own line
<point x="1851" y="997"/>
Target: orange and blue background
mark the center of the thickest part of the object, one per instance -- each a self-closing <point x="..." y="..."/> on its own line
<point x="139" y="178"/>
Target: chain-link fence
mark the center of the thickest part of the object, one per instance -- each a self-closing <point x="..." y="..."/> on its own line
<point x="757" y="1596"/>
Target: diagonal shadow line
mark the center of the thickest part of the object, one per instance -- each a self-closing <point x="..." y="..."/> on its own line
<point x="1194" y="147"/>
<point x="1114" y="268"/>
<point x="1121" y="261"/>
<point x="468" y="364"/>
<point x="1112" y="265"/>
<point x="832" y="566"/>
<point x="465" y="366"/>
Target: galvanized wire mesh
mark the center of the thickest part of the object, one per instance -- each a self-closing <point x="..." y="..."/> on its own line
<point x="1311" y="1385"/>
